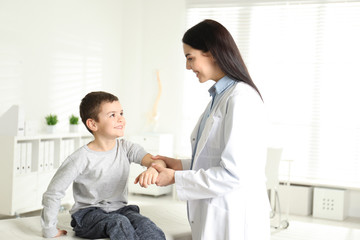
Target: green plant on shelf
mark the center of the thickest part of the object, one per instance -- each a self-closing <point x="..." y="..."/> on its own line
<point x="74" y="120"/>
<point x="51" y="119"/>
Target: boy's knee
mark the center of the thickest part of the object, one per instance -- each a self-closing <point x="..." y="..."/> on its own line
<point x="119" y="225"/>
<point x="116" y="219"/>
<point x="148" y="230"/>
<point x="145" y="224"/>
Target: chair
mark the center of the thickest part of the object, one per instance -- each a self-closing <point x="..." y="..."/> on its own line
<point x="272" y="183"/>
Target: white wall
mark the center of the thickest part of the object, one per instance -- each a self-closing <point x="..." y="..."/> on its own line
<point x="54" y="52"/>
<point x="155" y="44"/>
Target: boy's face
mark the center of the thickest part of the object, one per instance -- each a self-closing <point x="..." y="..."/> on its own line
<point x="111" y="122"/>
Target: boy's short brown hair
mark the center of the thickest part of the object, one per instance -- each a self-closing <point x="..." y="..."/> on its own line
<point x="90" y="105"/>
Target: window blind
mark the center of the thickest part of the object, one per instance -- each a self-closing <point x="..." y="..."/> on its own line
<point x="304" y="58"/>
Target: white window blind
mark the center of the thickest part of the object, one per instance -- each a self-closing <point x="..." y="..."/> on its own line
<point x="304" y="57"/>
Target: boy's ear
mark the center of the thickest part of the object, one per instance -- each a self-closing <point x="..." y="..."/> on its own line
<point x="91" y="124"/>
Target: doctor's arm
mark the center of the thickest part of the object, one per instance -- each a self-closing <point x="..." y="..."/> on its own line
<point x="167" y="175"/>
<point x="173" y="163"/>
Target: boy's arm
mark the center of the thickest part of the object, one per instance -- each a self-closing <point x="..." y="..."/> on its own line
<point x="149" y="176"/>
<point x="51" y="201"/>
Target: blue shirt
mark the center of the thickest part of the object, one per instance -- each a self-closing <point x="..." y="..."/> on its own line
<point x="216" y="92"/>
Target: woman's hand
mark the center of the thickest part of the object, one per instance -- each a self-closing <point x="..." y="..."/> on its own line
<point x="60" y="233"/>
<point x="147" y="177"/>
<point x="166" y="175"/>
<point x="172" y="163"/>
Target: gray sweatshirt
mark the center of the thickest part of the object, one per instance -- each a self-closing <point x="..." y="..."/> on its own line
<point x="99" y="180"/>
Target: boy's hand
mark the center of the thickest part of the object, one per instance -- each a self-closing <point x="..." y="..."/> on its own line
<point x="61" y="233"/>
<point x="147" y="177"/>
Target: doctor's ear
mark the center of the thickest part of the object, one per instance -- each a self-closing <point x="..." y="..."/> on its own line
<point x="91" y="124"/>
<point x="209" y="55"/>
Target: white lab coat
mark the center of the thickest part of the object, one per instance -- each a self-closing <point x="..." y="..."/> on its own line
<point x="225" y="191"/>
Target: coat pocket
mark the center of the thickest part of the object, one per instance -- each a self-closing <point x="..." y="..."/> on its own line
<point x="216" y="223"/>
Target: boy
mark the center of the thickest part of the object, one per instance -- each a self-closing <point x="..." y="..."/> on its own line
<point x="99" y="173"/>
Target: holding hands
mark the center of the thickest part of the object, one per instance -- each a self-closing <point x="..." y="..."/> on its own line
<point x="147" y="177"/>
<point x="166" y="175"/>
<point x="159" y="174"/>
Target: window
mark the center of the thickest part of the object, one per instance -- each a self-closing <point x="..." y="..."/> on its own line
<point x="303" y="56"/>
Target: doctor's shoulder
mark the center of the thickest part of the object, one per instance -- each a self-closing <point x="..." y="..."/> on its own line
<point x="244" y="90"/>
<point x="242" y="93"/>
<point x="244" y="98"/>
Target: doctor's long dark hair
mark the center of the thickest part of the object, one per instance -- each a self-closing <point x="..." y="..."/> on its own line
<point x="210" y="35"/>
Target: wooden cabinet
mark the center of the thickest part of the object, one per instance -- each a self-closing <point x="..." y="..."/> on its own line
<point x="154" y="143"/>
<point x="27" y="165"/>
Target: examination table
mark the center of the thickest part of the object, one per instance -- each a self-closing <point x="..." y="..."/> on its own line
<point x="170" y="217"/>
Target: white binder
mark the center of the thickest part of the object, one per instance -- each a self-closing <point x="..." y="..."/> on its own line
<point x="28" y="157"/>
<point x="18" y="159"/>
<point x="41" y="156"/>
<point x="51" y="155"/>
<point x="23" y="158"/>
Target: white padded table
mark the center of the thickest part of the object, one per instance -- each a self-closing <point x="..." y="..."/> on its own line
<point x="170" y="216"/>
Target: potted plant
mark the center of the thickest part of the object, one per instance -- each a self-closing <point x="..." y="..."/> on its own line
<point x="74" y="123"/>
<point x="51" y="121"/>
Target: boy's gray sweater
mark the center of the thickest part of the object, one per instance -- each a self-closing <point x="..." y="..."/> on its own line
<point x="99" y="180"/>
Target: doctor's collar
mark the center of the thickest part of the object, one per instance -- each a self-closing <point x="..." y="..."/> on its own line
<point x="220" y="86"/>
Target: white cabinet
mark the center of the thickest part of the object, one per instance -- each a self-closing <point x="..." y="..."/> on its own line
<point x="330" y="203"/>
<point x="27" y="165"/>
<point x="154" y="143"/>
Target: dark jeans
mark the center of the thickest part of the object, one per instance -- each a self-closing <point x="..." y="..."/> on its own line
<point x="125" y="223"/>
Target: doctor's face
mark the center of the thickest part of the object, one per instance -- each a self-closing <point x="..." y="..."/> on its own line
<point x="202" y="64"/>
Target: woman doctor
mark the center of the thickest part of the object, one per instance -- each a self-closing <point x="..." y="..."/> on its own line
<point x="224" y="182"/>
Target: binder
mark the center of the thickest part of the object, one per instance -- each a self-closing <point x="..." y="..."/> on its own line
<point x="51" y="155"/>
<point x="23" y="158"/>
<point x="41" y="156"/>
<point x="71" y="146"/>
<point x="46" y="155"/>
<point x="18" y="159"/>
<point x="28" y="157"/>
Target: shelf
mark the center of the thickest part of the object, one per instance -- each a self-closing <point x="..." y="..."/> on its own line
<point x="27" y="166"/>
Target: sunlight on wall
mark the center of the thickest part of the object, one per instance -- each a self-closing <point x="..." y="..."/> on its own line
<point x="76" y="69"/>
<point x="11" y="68"/>
<point x="48" y="61"/>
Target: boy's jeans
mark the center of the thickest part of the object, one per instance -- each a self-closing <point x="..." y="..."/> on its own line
<point x="125" y="223"/>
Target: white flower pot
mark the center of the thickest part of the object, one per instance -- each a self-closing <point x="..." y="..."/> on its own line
<point x="50" y="128"/>
<point x="74" y="128"/>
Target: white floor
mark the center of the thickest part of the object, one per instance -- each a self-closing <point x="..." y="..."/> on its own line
<point x="309" y="228"/>
<point x="300" y="227"/>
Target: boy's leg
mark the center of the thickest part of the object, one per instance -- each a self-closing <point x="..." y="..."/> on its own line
<point x="144" y="228"/>
<point x="94" y="223"/>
